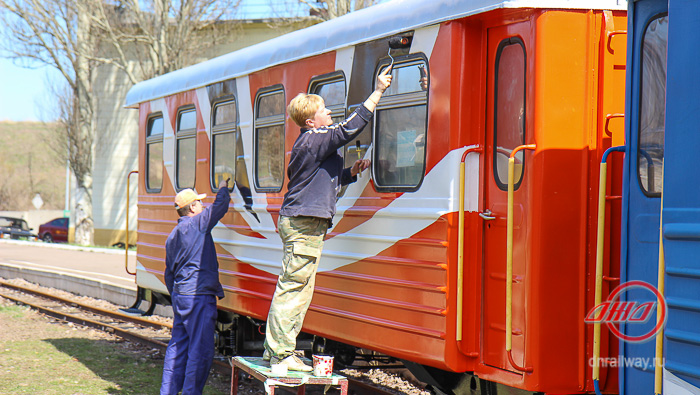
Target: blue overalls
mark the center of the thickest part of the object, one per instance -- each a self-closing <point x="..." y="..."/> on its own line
<point x="192" y="278"/>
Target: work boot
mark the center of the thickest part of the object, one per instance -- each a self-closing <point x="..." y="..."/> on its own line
<point x="266" y="356"/>
<point x="293" y="363"/>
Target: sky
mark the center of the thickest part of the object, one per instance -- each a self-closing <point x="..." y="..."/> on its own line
<point x="23" y="93"/>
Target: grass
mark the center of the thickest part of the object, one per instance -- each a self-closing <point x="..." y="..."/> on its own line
<point x="49" y="358"/>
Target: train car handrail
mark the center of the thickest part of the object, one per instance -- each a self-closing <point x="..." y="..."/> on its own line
<point x="126" y="243"/>
<point x="509" y="259"/>
<point x="611" y="35"/>
<point x="460" y="242"/>
<point x="661" y="285"/>
<point x="600" y="241"/>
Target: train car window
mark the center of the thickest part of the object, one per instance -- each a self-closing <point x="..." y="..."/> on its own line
<point x="154" y="154"/>
<point x="652" y="106"/>
<point x="332" y="88"/>
<point x="186" y="138"/>
<point x="224" y="133"/>
<point x="269" y="139"/>
<point x="509" y="110"/>
<point x="400" y="128"/>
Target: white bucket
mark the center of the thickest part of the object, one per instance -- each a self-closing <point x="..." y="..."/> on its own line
<point x="323" y="365"/>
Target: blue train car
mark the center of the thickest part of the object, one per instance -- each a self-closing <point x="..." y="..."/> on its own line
<point x="661" y="189"/>
<point x="642" y="185"/>
<point x="681" y="201"/>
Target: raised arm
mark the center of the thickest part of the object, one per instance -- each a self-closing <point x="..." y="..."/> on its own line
<point x="383" y="82"/>
<point x="212" y="214"/>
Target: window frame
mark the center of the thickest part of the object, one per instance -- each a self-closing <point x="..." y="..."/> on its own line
<point x="337" y="110"/>
<point x="642" y="187"/>
<point x="269" y="121"/>
<point x="182" y="135"/>
<point x="515" y="40"/>
<point x="400" y="101"/>
<point x="233" y="128"/>
<point x="151" y="140"/>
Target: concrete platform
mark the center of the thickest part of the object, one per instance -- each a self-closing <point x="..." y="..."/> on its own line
<point x="95" y="272"/>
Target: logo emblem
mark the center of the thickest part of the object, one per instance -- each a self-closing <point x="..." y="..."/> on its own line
<point x="613" y="311"/>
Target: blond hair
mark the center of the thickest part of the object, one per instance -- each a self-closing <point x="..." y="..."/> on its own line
<point x="303" y="107"/>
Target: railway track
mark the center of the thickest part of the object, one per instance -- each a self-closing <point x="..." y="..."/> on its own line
<point x="140" y="330"/>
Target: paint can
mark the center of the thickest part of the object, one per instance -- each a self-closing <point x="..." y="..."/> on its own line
<point x="323" y="365"/>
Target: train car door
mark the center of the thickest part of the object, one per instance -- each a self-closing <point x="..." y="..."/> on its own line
<point x="681" y="201"/>
<point x="505" y="130"/>
<point x="646" y="85"/>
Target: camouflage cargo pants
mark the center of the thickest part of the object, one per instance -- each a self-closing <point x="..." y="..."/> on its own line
<point x="302" y="238"/>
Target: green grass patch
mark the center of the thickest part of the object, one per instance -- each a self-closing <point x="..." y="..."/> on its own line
<point x="12" y="312"/>
<point x="56" y="359"/>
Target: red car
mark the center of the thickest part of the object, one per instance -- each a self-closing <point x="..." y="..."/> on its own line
<point x="55" y="230"/>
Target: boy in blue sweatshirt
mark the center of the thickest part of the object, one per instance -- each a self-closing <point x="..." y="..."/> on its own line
<point x="316" y="175"/>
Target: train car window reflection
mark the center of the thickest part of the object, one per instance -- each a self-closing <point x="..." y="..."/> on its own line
<point x="358" y="146"/>
<point x="225" y="113"/>
<point x="400" y="129"/>
<point x="269" y="141"/>
<point x="509" y="110"/>
<point x="186" y="158"/>
<point x="652" y="110"/>
<point x="271" y="105"/>
<point x="332" y="88"/>
<point x="333" y="93"/>
<point x="224" y="134"/>
<point x="154" y="154"/>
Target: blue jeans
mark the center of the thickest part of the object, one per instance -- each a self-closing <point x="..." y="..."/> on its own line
<point x="190" y="351"/>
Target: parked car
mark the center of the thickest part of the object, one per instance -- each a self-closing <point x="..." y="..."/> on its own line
<point x="55" y="230"/>
<point x="15" y="228"/>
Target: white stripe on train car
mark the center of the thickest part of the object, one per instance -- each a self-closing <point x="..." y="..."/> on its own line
<point x="204" y="109"/>
<point x="344" y="58"/>
<point x="677" y="386"/>
<point x="148" y="280"/>
<point x="424" y="40"/>
<point x="401" y="219"/>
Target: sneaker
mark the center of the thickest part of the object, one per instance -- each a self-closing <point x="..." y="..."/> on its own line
<point x="266" y="356"/>
<point x="293" y="363"/>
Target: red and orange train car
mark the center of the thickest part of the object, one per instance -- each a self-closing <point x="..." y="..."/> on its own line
<point x="403" y="272"/>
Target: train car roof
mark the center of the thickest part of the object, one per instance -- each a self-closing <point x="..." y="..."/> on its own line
<point x="382" y="20"/>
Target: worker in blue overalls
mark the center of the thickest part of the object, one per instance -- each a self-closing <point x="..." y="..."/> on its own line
<point x="192" y="278"/>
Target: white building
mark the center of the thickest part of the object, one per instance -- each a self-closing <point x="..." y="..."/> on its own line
<point x="117" y="136"/>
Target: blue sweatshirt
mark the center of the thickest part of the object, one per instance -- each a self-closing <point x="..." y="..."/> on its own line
<point x="191" y="267"/>
<point x="315" y="169"/>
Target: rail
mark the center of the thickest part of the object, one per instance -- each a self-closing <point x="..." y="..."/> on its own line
<point x="126" y="244"/>
<point x="460" y="243"/>
<point x="509" y="259"/>
<point x="600" y="241"/>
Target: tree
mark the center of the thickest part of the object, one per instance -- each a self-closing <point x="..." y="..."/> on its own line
<point x="315" y="11"/>
<point x="161" y="35"/>
<point x="75" y="36"/>
<point x="57" y="33"/>
<point x="330" y="9"/>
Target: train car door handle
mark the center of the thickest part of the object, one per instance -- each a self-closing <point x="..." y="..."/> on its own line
<point x="486" y="215"/>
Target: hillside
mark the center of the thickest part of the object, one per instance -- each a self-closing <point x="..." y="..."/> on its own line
<point x="29" y="166"/>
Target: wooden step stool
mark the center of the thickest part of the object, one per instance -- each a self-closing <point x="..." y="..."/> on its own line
<point x="256" y="367"/>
